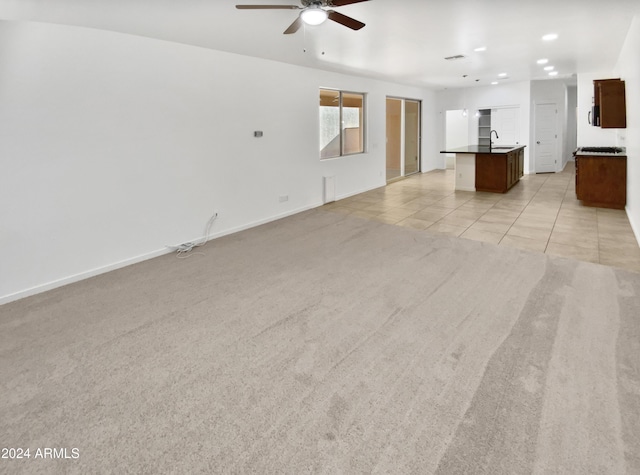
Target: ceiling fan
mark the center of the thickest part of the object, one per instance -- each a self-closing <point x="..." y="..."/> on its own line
<point x="313" y="13"/>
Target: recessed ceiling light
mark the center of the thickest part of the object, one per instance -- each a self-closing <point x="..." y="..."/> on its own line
<point x="502" y="75"/>
<point x="553" y="73"/>
<point x="494" y="83"/>
<point x="481" y="48"/>
<point x="542" y="61"/>
<point x="548" y="68"/>
<point x="550" y="37"/>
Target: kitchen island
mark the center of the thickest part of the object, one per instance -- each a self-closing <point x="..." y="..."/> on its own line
<point x="482" y="168"/>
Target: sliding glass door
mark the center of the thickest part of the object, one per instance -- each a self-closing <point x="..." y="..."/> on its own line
<point x="411" y="137"/>
<point x="394" y="138"/>
<point x="403" y="137"/>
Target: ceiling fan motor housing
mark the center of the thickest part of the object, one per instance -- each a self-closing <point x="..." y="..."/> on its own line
<point x="313" y="13"/>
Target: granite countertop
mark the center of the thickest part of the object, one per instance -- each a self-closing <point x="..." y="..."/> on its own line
<point x="496" y="149"/>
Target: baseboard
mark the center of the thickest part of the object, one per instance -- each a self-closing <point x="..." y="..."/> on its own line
<point x="143" y="257"/>
<point x="38" y="289"/>
<point x="259" y="222"/>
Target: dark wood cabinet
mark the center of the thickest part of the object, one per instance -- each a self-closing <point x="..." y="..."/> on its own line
<point x="498" y="172"/>
<point x="601" y="181"/>
<point x="512" y="167"/>
<point x="520" y="163"/>
<point x="609" y="101"/>
<point x="491" y="172"/>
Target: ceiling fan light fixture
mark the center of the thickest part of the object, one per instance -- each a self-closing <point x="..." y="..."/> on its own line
<point x="314" y="15"/>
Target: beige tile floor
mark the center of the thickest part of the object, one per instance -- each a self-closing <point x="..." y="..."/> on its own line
<point x="540" y="213"/>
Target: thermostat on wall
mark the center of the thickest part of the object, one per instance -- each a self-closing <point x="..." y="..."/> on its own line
<point x="257" y="133"/>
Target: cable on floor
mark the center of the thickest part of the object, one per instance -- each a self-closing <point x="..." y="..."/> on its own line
<point x="183" y="251"/>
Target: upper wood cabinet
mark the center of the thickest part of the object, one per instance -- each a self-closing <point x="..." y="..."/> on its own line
<point x="609" y="110"/>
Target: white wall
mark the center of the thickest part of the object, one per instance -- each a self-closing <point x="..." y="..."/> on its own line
<point x="113" y="146"/>
<point x="628" y="68"/>
<point x="486" y="97"/>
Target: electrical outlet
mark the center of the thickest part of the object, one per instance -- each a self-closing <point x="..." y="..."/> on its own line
<point x="284" y="198"/>
<point x="216" y="213"/>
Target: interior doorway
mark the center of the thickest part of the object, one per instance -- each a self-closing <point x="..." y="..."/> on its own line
<point x="456" y="134"/>
<point x="403" y="137"/>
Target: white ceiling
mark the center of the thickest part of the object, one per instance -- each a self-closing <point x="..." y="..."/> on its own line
<point x="403" y="40"/>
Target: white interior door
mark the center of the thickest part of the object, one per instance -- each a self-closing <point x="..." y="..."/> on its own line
<point x="546" y="138"/>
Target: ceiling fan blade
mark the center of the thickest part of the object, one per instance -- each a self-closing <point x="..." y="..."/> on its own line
<point x="345" y="20"/>
<point x="341" y="3"/>
<point x="268" y="7"/>
<point x="295" y="26"/>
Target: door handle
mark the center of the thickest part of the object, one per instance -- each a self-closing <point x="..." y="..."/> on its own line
<point x="589" y="117"/>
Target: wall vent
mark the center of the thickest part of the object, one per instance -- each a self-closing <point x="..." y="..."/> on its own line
<point x="457" y="56"/>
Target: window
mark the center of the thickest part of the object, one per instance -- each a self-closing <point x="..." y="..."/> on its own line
<point x="341" y="123"/>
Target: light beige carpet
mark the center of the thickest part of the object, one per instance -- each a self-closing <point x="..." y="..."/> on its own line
<point x="324" y="343"/>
